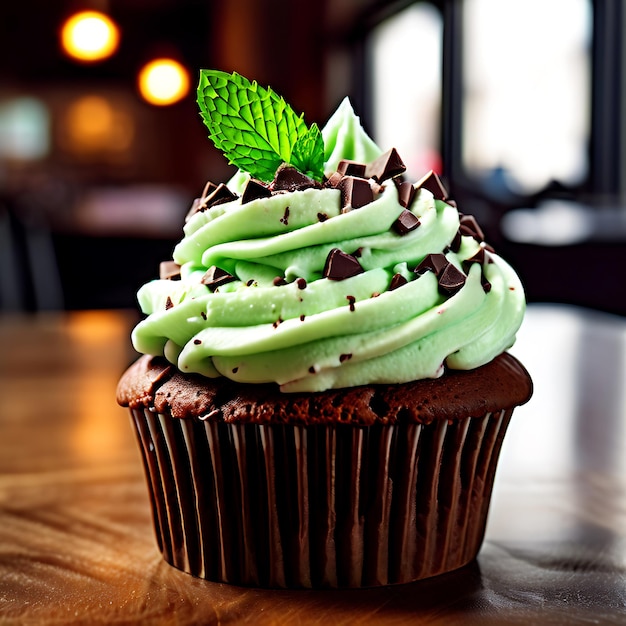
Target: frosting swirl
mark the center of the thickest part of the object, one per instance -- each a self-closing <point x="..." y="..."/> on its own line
<point x="258" y="300"/>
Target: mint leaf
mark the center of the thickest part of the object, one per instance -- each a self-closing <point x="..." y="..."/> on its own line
<point x="308" y="153"/>
<point x="255" y="128"/>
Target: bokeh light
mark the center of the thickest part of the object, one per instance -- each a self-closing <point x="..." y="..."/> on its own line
<point x="163" y="82"/>
<point x="89" y="36"/>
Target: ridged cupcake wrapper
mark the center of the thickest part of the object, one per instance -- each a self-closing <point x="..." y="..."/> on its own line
<point x="319" y="506"/>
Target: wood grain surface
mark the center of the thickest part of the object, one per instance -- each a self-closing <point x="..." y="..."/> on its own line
<point x="76" y="540"/>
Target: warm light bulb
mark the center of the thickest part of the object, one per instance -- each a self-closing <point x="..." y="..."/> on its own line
<point x="89" y="36"/>
<point x="163" y="82"/>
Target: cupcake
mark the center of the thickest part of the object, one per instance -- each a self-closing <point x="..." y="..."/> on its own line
<point x="324" y="386"/>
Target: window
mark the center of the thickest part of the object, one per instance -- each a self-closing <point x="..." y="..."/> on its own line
<point x="405" y="53"/>
<point x="527" y="91"/>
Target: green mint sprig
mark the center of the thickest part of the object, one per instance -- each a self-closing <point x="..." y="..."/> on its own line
<point x="256" y="129"/>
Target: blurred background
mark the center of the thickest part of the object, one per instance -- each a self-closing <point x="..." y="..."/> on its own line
<point x="517" y="104"/>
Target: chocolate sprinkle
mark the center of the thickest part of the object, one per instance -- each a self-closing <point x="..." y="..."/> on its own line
<point x="279" y="281"/>
<point x="340" y="265"/>
<point x="301" y="282"/>
<point x="355" y="192"/>
<point x="255" y="190"/>
<point x="322" y="217"/>
<point x="344" y="357"/>
<point x="216" y="277"/>
<point x="432" y="183"/>
<point x="169" y="270"/>
<point x="351" y="301"/>
<point x="405" y="223"/>
<point x="387" y="165"/>
<point x="168" y="304"/>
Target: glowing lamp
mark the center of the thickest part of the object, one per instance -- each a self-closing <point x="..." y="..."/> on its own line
<point x="163" y="81"/>
<point x="89" y="36"/>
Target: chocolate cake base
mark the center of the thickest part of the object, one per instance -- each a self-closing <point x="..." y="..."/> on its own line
<point x="318" y="504"/>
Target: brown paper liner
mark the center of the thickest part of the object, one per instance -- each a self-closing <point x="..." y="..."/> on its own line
<point x="319" y="506"/>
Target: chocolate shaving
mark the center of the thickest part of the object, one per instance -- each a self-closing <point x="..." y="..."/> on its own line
<point x="255" y="190"/>
<point x="405" y="223"/>
<point x="346" y="167"/>
<point x="355" y="192"/>
<point x="169" y="270"/>
<point x="397" y="281"/>
<point x="288" y="178"/>
<point x="216" y="277"/>
<point x="432" y="183"/>
<point x="340" y="265"/>
<point x="387" y="165"/>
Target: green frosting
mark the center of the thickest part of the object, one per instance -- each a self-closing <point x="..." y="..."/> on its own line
<point x="314" y="333"/>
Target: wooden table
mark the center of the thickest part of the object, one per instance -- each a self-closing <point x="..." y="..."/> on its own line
<point x="76" y="542"/>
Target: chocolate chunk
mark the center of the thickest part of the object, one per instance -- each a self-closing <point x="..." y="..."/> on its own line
<point x="334" y="180"/>
<point x="196" y="207"/>
<point x="288" y="178"/>
<point x="216" y="277"/>
<point x="432" y="262"/>
<point x="386" y="166"/>
<point x="432" y="183"/>
<point x="485" y="283"/>
<point x="455" y="244"/>
<point x="200" y="204"/>
<point x="168" y="304"/>
<point x="355" y="192"/>
<point x="406" y="194"/>
<point x="219" y="195"/>
<point x="451" y="279"/>
<point x="255" y="190"/>
<point x="397" y="281"/>
<point x="344" y="357"/>
<point x="322" y="217"/>
<point x="405" y="223"/>
<point x="347" y="167"/>
<point x="479" y="257"/>
<point x="301" y="283"/>
<point x="340" y="265"/>
<point x="169" y="270"/>
<point x="279" y="281"/>
<point x="469" y="226"/>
